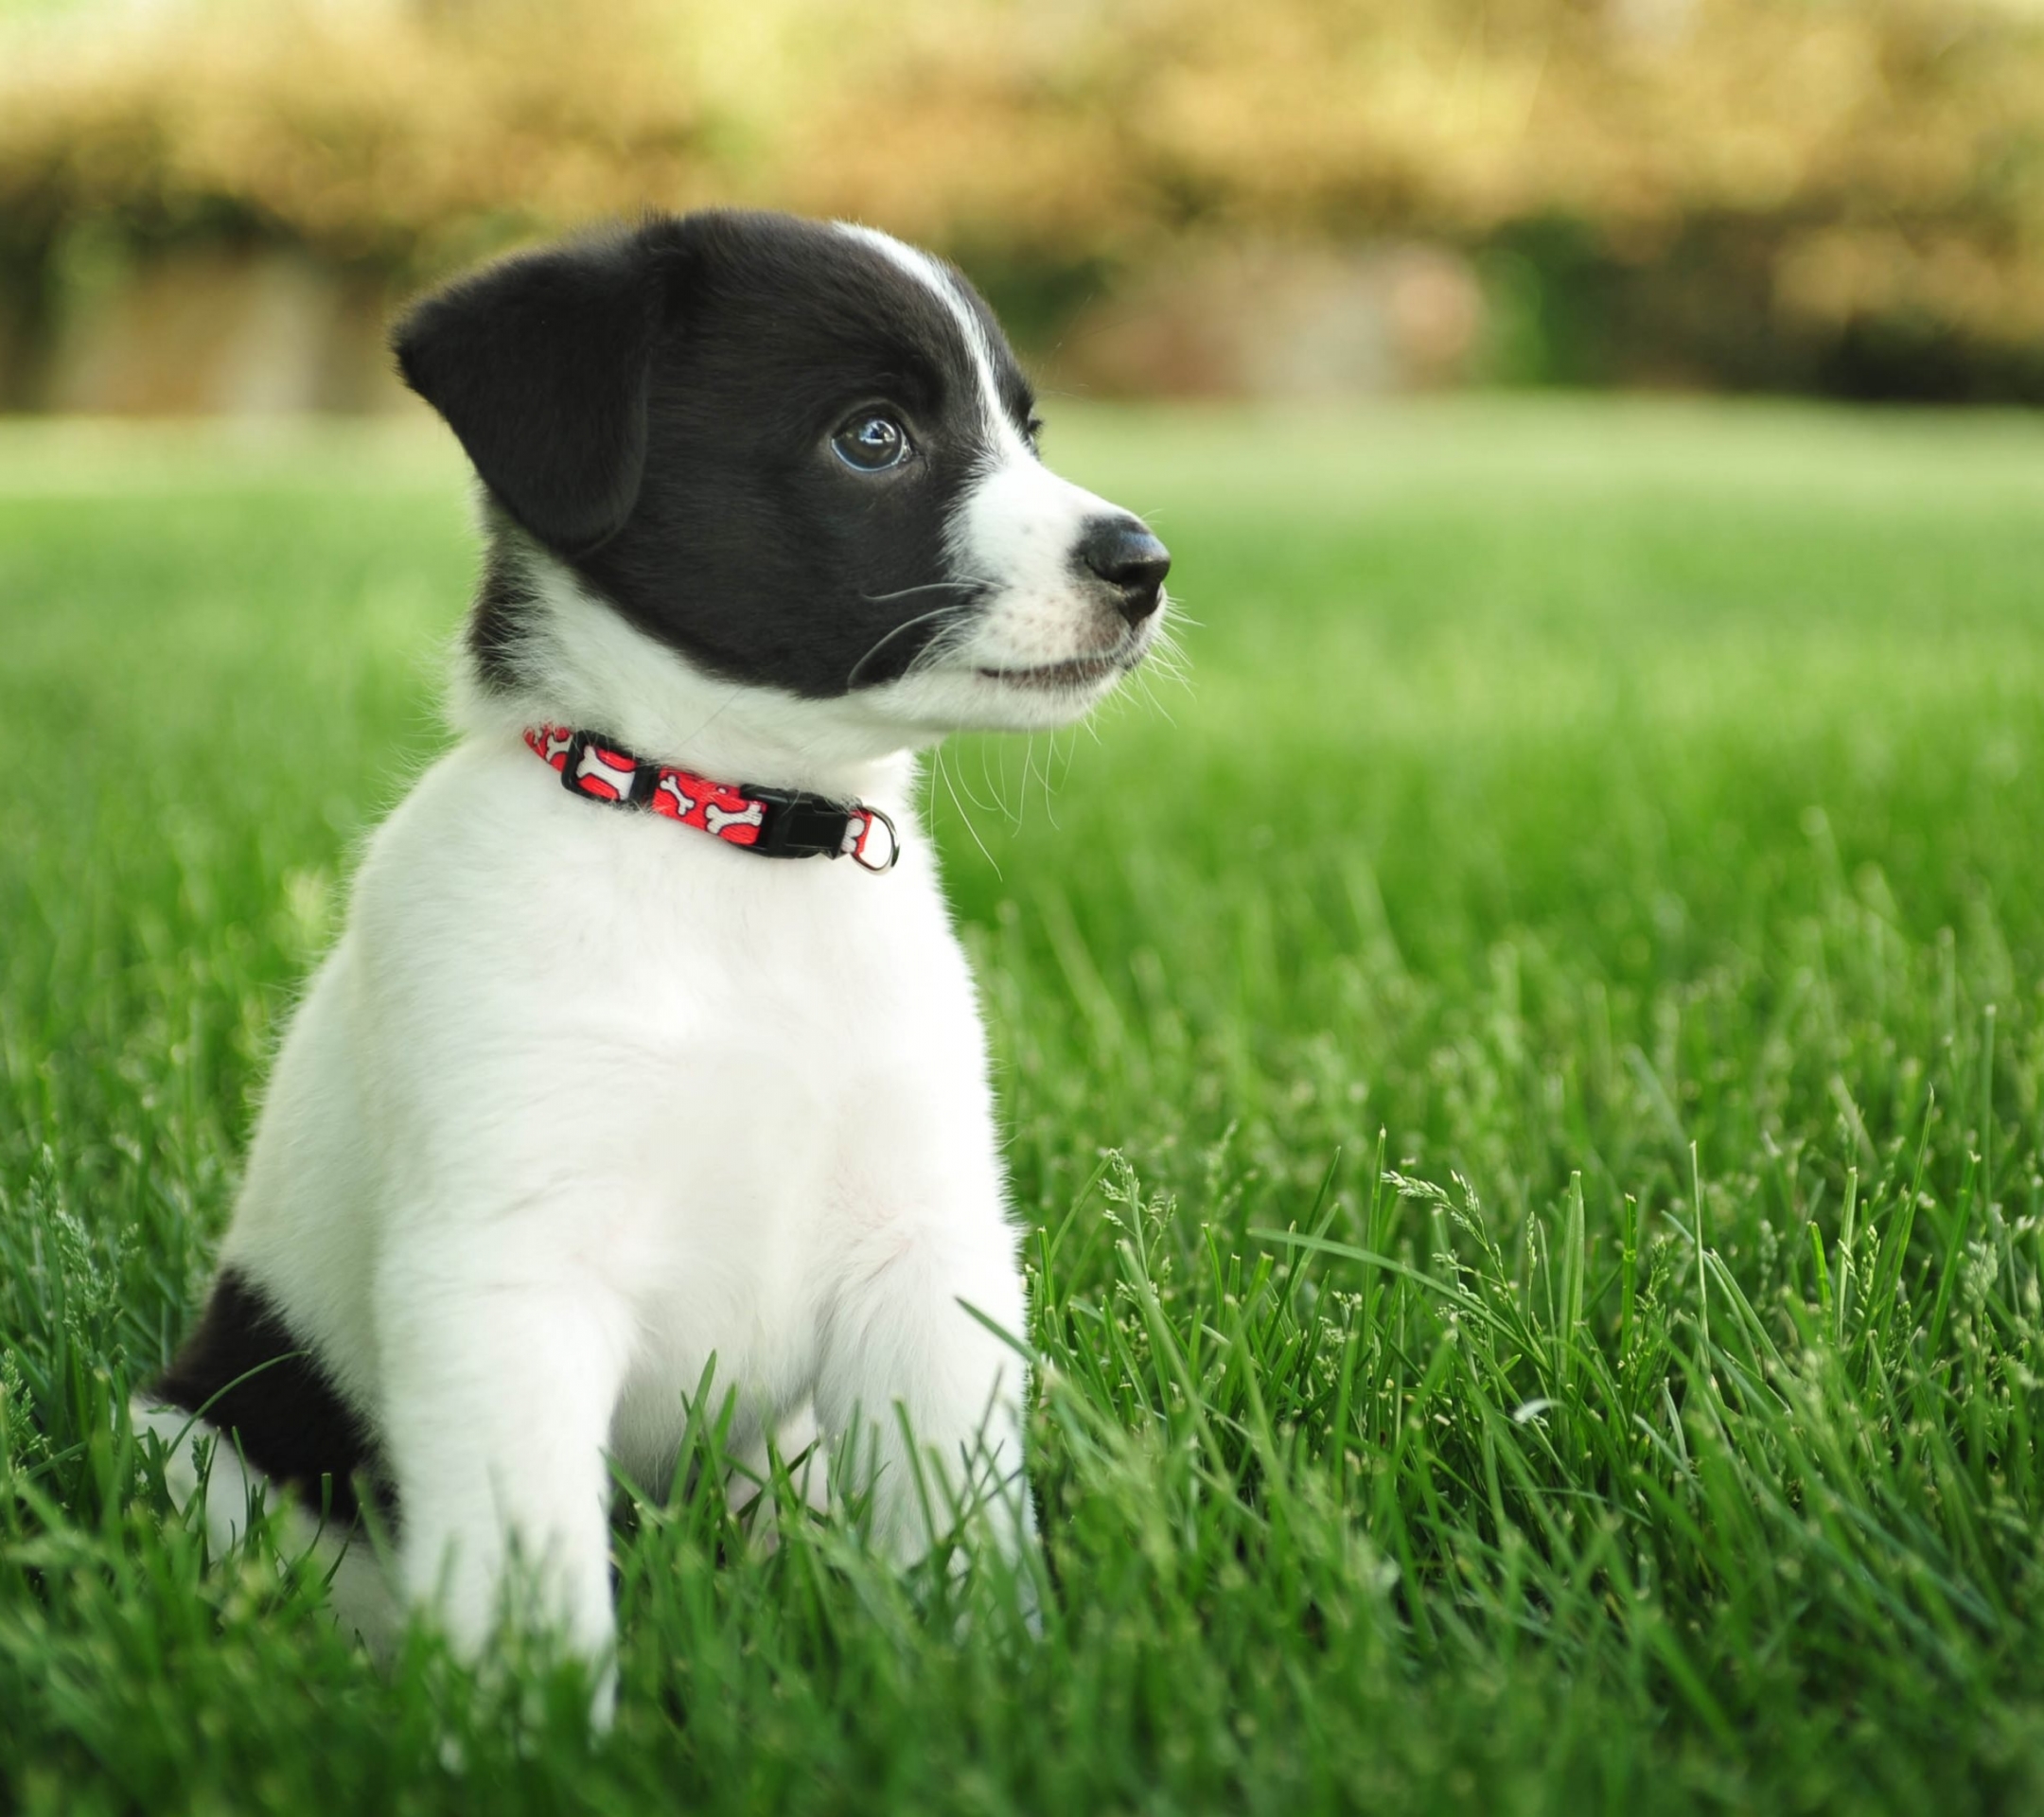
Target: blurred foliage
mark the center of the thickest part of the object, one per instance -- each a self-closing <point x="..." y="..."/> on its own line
<point x="1843" y="192"/>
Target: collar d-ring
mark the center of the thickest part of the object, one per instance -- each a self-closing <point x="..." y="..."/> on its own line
<point x="876" y="847"/>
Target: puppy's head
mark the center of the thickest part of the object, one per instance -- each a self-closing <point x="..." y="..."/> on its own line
<point x="799" y="455"/>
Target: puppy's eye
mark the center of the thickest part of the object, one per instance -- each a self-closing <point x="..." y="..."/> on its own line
<point x="873" y="443"/>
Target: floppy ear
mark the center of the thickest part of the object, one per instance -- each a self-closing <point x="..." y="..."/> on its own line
<point x="539" y="363"/>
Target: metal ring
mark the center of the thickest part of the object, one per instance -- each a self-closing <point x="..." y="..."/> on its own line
<point x="858" y="850"/>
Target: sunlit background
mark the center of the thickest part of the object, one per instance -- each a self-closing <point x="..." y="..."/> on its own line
<point x="211" y="207"/>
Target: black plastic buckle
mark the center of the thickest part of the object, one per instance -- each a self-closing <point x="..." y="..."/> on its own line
<point x="799" y="824"/>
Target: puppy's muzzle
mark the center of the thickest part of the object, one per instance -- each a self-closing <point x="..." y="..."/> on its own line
<point x="1131" y="562"/>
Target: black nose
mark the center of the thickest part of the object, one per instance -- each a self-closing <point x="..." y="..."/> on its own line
<point x="1122" y="553"/>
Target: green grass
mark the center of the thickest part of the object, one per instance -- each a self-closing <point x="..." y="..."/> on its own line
<point x="1524" y="1077"/>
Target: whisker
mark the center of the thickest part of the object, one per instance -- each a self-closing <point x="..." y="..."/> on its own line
<point x="986" y="773"/>
<point x="932" y="653"/>
<point x="858" y="668"/>
<point x="996" y="778"/>
<point x="970" y="587"/>
<point x="1156" y="706"/>
<point x="943" y="775"/>
<point x="682" y="748"/>
<point x="972" y="795"/>
<point x="1170" y="663"/>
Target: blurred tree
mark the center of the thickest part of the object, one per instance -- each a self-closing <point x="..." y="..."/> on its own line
<point x="1844" y="194"/>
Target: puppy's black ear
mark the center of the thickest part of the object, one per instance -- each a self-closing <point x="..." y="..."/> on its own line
<point x="540" y="363"/>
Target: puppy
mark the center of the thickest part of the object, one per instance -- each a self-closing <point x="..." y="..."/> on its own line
<point x="648" y="1047"/>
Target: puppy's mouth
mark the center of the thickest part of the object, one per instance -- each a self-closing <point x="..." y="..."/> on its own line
<point x="1079" y="672"/>
<point x="1074" y="672"/>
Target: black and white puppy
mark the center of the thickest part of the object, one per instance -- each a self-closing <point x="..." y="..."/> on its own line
<point x="675" y="1061"/>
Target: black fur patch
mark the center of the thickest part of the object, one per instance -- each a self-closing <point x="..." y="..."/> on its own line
<point x="503" y="599"/>
<point x="540" y="363"/>
<point x="253" y="1381"/>
<point x="656" y="409"/>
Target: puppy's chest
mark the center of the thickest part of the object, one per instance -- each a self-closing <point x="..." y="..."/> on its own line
<point x="808" y="1068"/>
<point x="793" y="1039"/>
<point x="829" y="977"/>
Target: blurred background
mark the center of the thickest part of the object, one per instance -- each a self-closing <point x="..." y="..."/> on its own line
<point x="211" y="208"/>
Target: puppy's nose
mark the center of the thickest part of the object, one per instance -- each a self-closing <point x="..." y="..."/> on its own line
<point x="1122" y="553"/>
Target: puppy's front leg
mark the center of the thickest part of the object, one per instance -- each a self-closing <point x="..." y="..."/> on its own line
<point x="901" y="1343"/>
<point x="500" y="1389"/>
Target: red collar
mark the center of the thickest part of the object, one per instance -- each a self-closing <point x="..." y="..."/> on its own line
<point x="773" y="823"/>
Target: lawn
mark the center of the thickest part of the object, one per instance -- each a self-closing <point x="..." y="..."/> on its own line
<point x="1523" y="1073"/>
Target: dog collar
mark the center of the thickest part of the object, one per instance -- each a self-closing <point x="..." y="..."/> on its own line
<point x="773" y="823"/>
